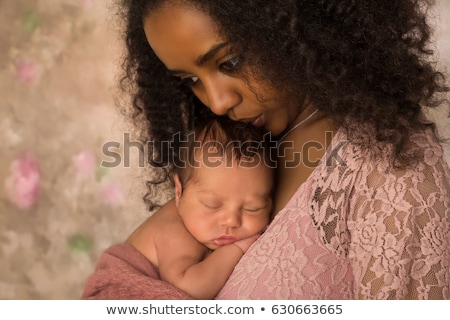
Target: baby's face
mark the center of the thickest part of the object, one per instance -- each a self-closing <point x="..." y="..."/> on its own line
<point x="226" y="203"/>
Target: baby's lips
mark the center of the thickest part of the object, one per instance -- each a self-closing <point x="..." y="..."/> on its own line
<point x="224" y="240"/>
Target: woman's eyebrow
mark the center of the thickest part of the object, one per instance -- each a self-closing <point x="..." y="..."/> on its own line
<point x="210" y="53"/>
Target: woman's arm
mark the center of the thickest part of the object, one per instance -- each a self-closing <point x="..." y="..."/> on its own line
<point x="400" y="235"/>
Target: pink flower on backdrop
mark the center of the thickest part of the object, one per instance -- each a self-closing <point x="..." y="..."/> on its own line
<point x="23" y="185"/>
<point x="85" y="163"/>
<point x="112" y="194"/>
<point x="26" y="71"/>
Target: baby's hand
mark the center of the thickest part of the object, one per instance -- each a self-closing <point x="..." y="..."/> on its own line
<point x="244" y="244"/>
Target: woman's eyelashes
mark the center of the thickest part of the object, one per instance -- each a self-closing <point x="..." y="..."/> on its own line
<point x="189" y="81"/>
<point x="228" y="66"/>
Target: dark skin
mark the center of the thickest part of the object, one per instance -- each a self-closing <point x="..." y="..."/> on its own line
<point x="289" y="178"/>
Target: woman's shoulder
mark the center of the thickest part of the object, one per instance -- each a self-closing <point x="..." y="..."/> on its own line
<point x="364" y="152"/>
<point x="356" y="171"/>
<point x="424" y="182"/>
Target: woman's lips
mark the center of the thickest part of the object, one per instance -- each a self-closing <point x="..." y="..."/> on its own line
<point x="257" y="121"/>
<point x="224" y="240"/>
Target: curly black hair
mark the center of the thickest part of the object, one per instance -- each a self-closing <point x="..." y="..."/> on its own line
<point x="360" y="61"/>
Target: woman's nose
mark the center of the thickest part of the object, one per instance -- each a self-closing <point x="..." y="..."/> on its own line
<point x="221" y="97"/>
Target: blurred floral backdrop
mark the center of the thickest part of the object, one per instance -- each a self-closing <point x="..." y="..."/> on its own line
<point x="59" y="209"/>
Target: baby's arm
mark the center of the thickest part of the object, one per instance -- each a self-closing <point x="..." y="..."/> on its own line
<point x="203" y="279"/>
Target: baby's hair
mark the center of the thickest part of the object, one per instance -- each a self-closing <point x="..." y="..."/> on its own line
<point x="220" y="140"/>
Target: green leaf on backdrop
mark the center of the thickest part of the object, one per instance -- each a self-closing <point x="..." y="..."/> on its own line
<point x="31" y="21"/>
<point x="80" y="243"/>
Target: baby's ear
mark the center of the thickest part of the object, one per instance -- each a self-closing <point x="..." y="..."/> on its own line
<point x="178" y="187"/>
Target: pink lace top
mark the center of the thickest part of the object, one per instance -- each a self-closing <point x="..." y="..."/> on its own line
<point x="356" y="229"/>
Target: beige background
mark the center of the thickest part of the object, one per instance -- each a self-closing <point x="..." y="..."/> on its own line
<point x="57" y="79"/>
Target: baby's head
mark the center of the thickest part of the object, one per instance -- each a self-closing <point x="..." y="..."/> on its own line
<point x="224" y="182"/>
<point x="221" y="141"/>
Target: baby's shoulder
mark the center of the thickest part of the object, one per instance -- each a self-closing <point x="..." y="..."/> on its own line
<point x="167" y="222"/>
<point x="168" y="228"/>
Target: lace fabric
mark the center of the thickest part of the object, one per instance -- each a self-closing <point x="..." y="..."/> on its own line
<point x="356" y="229"/>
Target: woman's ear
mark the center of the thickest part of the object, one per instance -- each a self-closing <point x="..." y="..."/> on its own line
<point x="178" y="188"/>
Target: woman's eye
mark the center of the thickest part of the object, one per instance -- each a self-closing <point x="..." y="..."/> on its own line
<point x="231" y="64"/>
<point x="190" y="81"/>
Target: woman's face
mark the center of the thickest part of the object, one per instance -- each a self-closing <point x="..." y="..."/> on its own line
<point x="187" y="42"/>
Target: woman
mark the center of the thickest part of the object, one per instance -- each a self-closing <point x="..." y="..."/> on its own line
<point x="362" y="202"/>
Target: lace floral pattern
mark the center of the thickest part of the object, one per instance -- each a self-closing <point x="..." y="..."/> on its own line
<point x="357" y="229"/>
